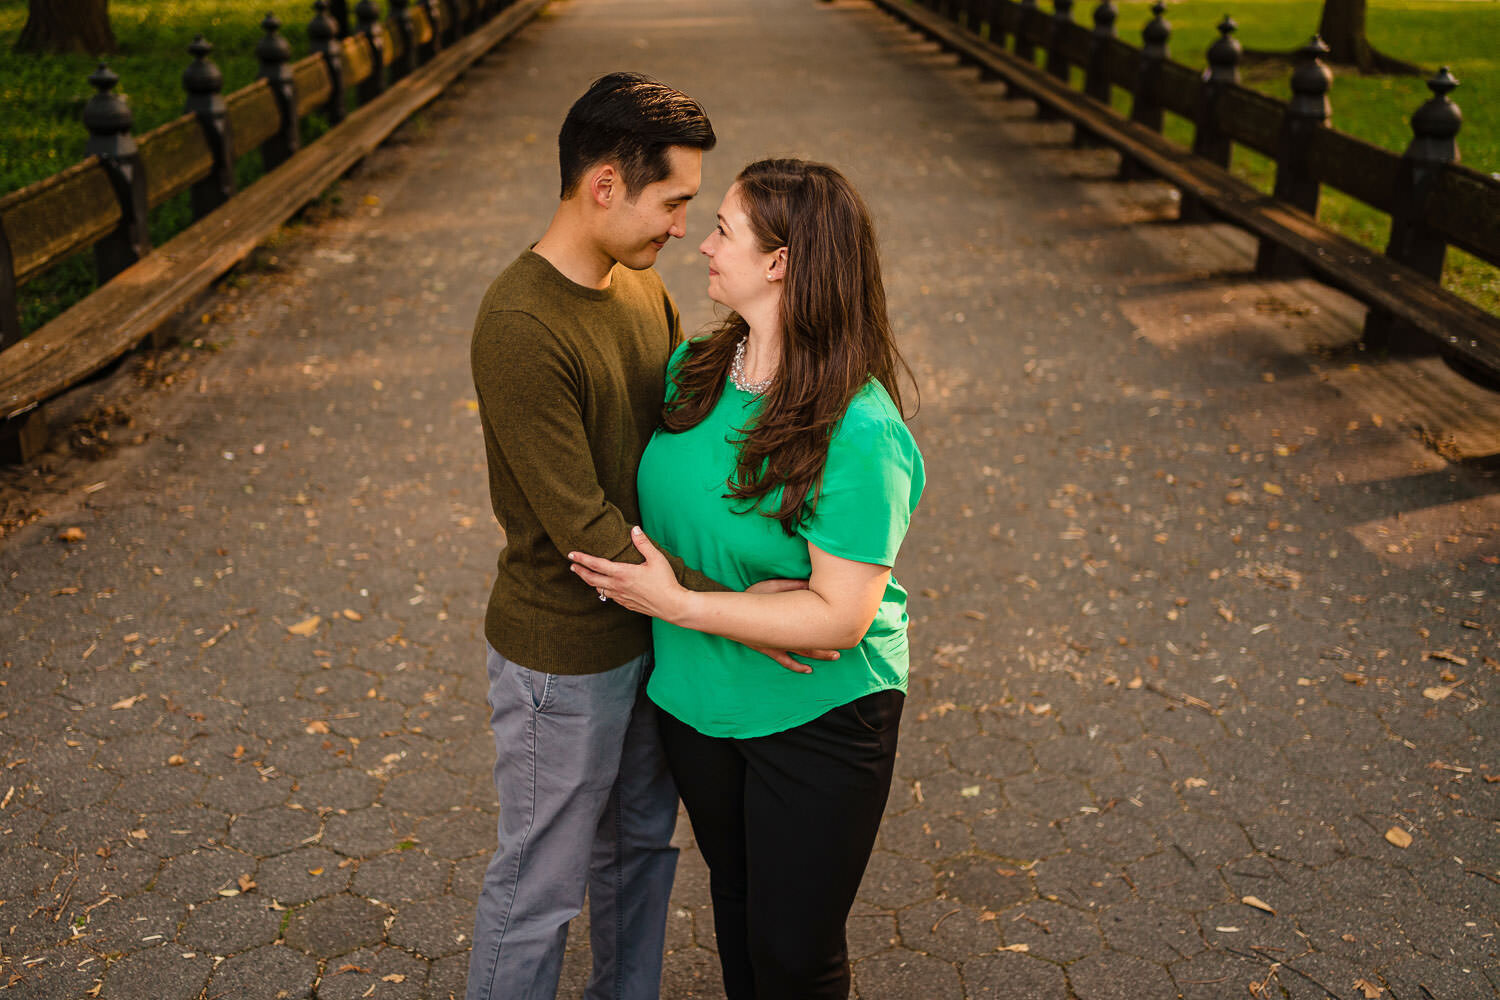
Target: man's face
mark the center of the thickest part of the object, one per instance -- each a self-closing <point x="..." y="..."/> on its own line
<point x="639" y="224"/>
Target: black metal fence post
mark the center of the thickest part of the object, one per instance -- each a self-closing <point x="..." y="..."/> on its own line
<point x="1145" y="102"/>
<point x="205" y="100"/>
<point x="323" y="38"/>
<point x="1434" y="144"/>
<point x="1096" y="75"/>
<point x="453" y="25"/>
<point x="406" y="32"/>
<point x="1025" y="47"/>
<point x="10" y="310"/>
<point x="1055" y="62"/>
<point x="1096" y="70"/>
<point x="1209" y="141"/>
<point x="1307" y="112"/>
<point x="998" y="13"/>
<point x="339" y="11"/>
<point x="1062" y="20"/>
<point x="109" y="120"/>
<point x="1145" y="106"/>
<point x="373" y="85"/>
<point x="274" y="53"/>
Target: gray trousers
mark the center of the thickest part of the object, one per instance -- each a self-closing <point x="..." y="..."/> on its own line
<point x="586" y="803"/>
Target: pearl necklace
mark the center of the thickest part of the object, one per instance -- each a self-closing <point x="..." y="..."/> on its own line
<point x="737" y="372"/>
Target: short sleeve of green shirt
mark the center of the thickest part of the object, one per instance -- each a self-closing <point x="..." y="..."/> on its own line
<point x="871" y="483"/>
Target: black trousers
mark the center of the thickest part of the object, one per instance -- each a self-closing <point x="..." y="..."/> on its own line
<point x="786" y="823"/>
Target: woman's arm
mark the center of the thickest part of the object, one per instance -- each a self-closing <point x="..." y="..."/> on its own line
<point x="834" y="612"/>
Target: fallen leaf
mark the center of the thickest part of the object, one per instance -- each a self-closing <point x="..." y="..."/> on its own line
<point x="71" y="535"/>
<point x="317" y="726"/>
<point x="394" y="977"/>
<point x="1272" y="489"/>
<point x="1258" y="903"/>
<point x="978" y="616"/>
<point x="176" y="760"/>
<point x="353" y="616"/>
<point x="229" y="892"/>
<point x="1014" y="947"/>
<point x="246" y="883"/>
<point x="239" y="751"/>
<point x="969" y="791"/>
<point x="138" y="834"/>
<point x="1227" y="930"/>
<point x="1195" y="783"/>
<point x="1399" y="837"/>
<point x="130" y="702"/>
<point x="1446" y="654"/>
<point x="315" y="871"/>
<point x="1370" y="990"/>
<point x="64" y="591"/>
<point x="306" y="626"/>
<point x="1436" y="693"/>
<point x="1135" y="683"/>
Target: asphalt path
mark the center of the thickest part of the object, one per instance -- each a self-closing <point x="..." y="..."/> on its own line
<point x="1203" y="619"/>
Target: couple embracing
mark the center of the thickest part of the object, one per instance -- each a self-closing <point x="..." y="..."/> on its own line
<point x="695" y="596"/>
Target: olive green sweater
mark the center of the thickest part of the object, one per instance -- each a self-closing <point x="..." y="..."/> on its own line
<point x="570" y="382"/>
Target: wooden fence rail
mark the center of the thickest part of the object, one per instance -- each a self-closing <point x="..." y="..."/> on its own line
<point x="394" y="65"/>
<point x="1433" y="201"/>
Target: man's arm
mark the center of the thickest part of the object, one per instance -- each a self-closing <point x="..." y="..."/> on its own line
<point x="530" y="391"/>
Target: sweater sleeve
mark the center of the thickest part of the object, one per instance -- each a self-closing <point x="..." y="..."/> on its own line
<point x="531" y="394"/>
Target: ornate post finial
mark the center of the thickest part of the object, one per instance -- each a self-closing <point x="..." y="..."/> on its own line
<point x="1224" y="54"/>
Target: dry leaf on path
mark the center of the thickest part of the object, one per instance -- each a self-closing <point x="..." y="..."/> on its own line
<point x="317" y="726"/>
<point x="1258" y="903"/>
<point x="1436" y="692"/>
<point x="353" y="616"/>
<point x="1014" y="947"/>
<point x="71" y="535"/>
<point x="1370" y="990"/>
<point x="393" y="977"/>
<point x="246" y="883"/>
<point x="125" y="703"/>
<point x="1399" y="837"/>
<point x="307" y="626"/>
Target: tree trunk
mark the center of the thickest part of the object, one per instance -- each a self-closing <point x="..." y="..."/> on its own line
<point x="1342" y="27"/>
<point x="67" y="26"/>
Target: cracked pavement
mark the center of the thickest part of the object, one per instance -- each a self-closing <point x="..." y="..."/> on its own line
<point x="1199" y="615"/>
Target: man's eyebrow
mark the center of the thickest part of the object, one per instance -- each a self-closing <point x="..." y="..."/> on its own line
<point x="683" y="197"/>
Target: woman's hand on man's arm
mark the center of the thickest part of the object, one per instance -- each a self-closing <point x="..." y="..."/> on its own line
<point x="833" y="612"/>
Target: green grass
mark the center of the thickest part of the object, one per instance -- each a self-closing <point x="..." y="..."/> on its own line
<point x="42" y="133"/>
<point x="1459" y="34"/>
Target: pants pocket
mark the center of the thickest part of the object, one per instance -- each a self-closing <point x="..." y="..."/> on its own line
<point x="537" y="685"/>
<point x="878" y="710"/>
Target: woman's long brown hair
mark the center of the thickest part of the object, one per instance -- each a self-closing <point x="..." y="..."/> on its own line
<point x="835" y="335"/>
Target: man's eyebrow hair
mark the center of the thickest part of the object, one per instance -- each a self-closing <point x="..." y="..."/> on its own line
<point x="683" y="197"/>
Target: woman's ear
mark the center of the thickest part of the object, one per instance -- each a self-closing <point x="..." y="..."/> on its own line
<point x="777" y="271"/>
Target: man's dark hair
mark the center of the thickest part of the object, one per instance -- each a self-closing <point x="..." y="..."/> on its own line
<point x="630" y="120"/>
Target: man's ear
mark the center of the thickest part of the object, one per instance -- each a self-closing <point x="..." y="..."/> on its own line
<point x="777" y="271"/>
<point x="604" y="185"/>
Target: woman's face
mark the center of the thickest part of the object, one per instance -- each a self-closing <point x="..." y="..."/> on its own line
<point x="740" y="274"/>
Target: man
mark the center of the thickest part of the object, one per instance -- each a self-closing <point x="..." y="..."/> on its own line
<point x="568" y="355"/>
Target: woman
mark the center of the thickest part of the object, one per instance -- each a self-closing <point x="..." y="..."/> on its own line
<point x="783" y="455"/>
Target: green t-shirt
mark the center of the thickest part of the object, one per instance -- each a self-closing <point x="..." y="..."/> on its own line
<point x="870" y="487"/>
